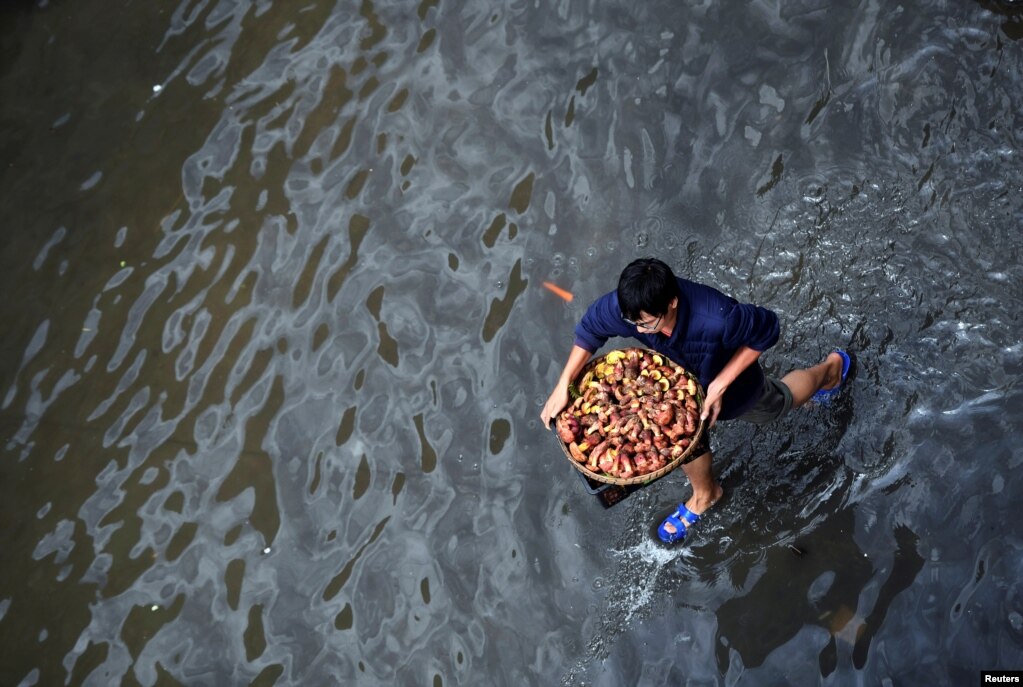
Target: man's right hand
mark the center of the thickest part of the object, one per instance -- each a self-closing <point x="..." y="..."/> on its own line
<point x="554" y="405"/>
<point x="559" y="397"/>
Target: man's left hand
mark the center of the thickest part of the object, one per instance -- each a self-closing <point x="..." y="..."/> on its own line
<point x="712" y="402"/>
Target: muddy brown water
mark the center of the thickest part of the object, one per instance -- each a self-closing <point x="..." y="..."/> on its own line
<point x="274" y="339"/>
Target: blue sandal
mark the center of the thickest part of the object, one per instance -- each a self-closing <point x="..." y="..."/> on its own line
<point x="682" y="519"/>
<point x="825" y="395"/>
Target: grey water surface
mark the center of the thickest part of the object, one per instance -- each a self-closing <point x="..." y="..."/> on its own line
<point x="275" y="339"/>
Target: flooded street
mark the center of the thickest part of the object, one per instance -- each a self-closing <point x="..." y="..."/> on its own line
<point x="276" y="342"/>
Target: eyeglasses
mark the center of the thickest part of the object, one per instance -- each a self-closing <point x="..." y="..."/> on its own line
<point x="645" y="325"/>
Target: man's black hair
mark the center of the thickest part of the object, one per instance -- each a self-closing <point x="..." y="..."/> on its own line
<point x="646" y="285"/>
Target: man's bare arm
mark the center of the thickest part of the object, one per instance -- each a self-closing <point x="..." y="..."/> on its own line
<point x="743" y="358"/>
<point x="559" y="397"/>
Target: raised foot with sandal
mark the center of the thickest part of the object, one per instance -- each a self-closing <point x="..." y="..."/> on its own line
<point x="826" y="395"/>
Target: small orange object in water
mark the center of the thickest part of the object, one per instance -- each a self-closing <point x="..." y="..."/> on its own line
<point x="557" y="290"/>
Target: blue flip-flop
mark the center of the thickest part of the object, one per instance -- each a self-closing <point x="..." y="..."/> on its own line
<point x="682" y="519"/>
<point x="825" y="395"/>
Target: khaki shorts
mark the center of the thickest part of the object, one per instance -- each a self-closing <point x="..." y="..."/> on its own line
<point x="774" y="404"/>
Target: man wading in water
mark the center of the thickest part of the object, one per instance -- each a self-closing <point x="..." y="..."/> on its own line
<point x="716" y="338"/>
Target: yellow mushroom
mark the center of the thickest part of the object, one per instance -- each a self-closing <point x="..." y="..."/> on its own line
<point x="615" y="356"/>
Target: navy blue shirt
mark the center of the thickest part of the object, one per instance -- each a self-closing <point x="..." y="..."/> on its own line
<point x="711" y="327"/>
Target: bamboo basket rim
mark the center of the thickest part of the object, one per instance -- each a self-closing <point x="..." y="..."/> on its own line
<point x="650" y="476"/>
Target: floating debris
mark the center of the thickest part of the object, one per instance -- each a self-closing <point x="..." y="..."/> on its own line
<point x="558" y="291"/>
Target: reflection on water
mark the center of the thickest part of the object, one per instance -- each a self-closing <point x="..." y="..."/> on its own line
<point x="275" y="347"/>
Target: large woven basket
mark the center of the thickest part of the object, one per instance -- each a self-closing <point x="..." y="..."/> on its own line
<point x="650" y="476"/>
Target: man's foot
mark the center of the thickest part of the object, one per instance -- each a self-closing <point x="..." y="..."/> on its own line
<point x="838" y="363"/>
<point x="833" y="377"/>
<point x="697" y="505"/>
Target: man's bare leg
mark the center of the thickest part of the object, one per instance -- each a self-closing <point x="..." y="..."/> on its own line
<point x="805" y="383"/>
<point x="706" y="490"/>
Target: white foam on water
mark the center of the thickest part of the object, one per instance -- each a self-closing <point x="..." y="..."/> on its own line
<point x="658" y="555"/>
<point x="636" y="580"/>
